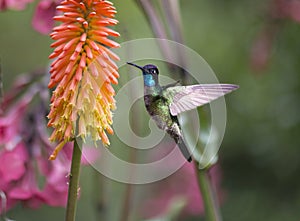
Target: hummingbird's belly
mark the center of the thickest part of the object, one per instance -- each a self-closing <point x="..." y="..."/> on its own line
<point x="160" y="113"/>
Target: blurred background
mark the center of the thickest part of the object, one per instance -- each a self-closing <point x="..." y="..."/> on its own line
<point x="254" y="44"/>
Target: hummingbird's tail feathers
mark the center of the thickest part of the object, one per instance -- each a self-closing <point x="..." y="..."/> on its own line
<point x="184" y="150"/>
<point x="175" y="132"/>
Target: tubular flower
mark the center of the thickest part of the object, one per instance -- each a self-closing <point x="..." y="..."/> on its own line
<point x="83" y="72"/>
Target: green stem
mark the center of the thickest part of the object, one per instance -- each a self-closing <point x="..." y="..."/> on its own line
<point x="129" y="191"/>
<point x="73" y="183"/>
<point x="212" y="212"/>
<point x="125" y="213"/>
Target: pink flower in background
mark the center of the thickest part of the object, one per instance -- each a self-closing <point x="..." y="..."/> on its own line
<point x="12" y="168"/>
<point x="12" y="165"/>
<point x="260" y="52"/>
<point x="286" y="9"/>
<point x="14" y="4"/>
<point x="9" y="124"/>
<point x="25" y="149"/>
<point x="55" y="190"/>
<point x="261" y="49"/>
<point x="43" y="16"/>
<point x="26" y="188"/>
<point x="45" y="10"/>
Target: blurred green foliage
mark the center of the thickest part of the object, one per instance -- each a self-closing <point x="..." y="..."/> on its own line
<point x="260" y="155"/>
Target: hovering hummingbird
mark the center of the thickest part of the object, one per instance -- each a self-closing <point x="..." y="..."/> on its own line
<point x="164" y="103"/>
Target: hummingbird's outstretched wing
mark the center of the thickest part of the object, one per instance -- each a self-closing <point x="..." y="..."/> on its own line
<point x="185" y="98"/>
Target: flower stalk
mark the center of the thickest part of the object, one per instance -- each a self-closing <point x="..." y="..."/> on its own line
<point x="73" y="183"/>
<point x="212" y="212"/>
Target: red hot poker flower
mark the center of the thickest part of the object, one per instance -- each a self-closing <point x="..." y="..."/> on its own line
<point x="83" y="72"/>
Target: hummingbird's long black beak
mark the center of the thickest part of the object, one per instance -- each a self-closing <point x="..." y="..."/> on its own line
<point x="135" y="66"/>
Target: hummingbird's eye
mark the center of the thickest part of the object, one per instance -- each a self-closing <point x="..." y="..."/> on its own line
<point x="154" y="71"/>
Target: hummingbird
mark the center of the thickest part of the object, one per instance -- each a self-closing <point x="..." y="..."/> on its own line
<point x="164" y="103"/>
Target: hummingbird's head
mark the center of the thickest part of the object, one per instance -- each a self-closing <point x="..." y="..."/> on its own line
<point x="150" y="74"/>
<point x="150" y="69"/>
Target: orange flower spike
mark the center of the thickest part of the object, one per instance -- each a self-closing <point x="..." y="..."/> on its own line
<point x="82" y="72"/>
